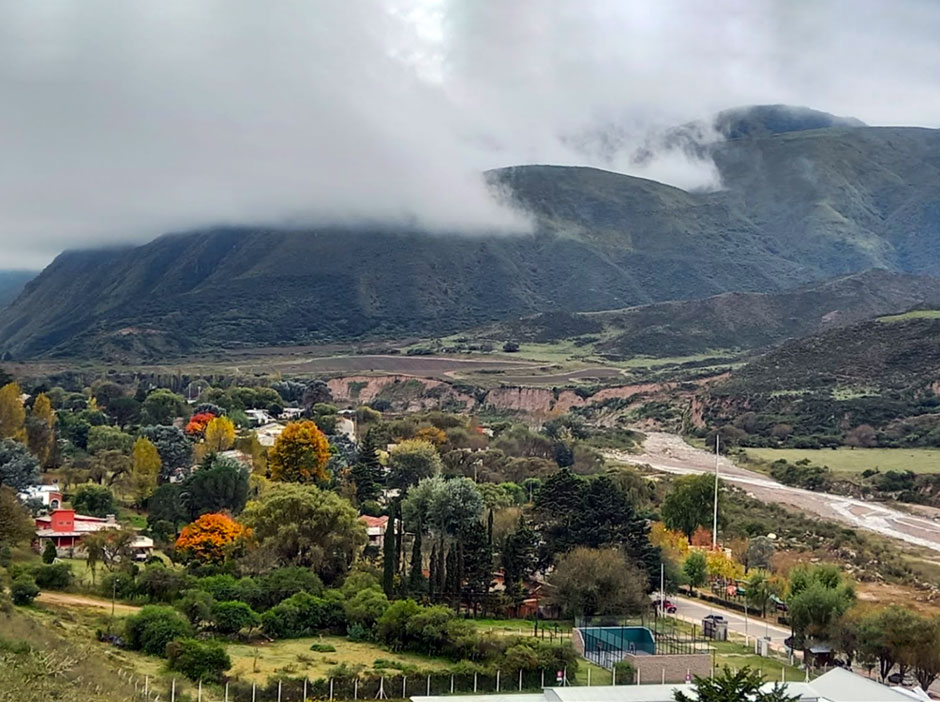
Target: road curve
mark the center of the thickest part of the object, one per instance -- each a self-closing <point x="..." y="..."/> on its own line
<point x="671" y="454"/>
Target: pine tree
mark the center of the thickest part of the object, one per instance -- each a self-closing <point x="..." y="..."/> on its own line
<point x="368" y="472"/>
<point x="416" y="584"/>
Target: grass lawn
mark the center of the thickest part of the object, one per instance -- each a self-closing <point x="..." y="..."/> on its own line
<point x="856" y="460"/>
<point x="913" y="314"/>
<point x="293" y="657"/>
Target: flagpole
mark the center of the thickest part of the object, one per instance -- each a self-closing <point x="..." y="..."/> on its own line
<point x="715" y="513"/>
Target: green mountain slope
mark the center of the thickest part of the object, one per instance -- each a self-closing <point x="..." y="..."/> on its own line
<point x="730" y="321"/>
<point x="796" y="207"/>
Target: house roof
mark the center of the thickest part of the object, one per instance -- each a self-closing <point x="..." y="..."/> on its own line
<point x="374" y="521"/>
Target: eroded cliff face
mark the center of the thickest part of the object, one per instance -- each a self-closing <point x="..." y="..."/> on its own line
<point x="402" y="392"/>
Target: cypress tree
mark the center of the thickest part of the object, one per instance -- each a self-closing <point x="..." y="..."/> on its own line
<point x="399" y="534"/>
<point x="432" y="573"/>
<point x="489" y="528"/>
<point x="452" y="577"/>
<point x="388" y="557"/>
<point x="416" y="584"/>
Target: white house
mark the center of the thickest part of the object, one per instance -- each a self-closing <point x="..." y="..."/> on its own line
<point x="49" y="495"/>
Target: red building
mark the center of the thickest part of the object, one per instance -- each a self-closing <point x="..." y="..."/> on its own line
<point x="65" y="528"/>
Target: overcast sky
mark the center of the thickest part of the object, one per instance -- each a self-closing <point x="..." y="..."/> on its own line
<point x="122" y="120"/>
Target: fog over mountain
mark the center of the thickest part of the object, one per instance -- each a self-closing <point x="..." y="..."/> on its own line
<point x="121" y="121"/>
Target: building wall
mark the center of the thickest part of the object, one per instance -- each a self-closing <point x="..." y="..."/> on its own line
<point x="651" y="669"/>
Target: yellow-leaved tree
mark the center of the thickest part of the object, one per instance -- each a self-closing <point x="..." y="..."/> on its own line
<point x="41" y="431"/>
<point x="145" y="469"/>
<point x="219" y="435"/>
<point x="300" y="454"/>
<point x="12" y="413"/>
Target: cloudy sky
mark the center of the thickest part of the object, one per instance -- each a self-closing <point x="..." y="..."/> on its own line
<point x="122" y="120"/>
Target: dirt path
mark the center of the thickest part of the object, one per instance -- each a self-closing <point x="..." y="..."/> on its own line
<point x="68" y="600"/>
<point x="670" y="454"/>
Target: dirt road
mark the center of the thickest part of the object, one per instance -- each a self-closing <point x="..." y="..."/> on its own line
<point x="68" y="600"/>
<point x="670" y="454"/>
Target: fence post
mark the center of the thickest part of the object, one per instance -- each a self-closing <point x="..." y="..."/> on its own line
<point x="147" y="686"/>
<point x="613" y="675"/>
<point x="429" y="685"/>
<point x="253" y="692"/>
<point x="452" y="683"/>
<point x="474" y="682"/>
<point x="497" y="680"/>
<point x="520" y="679"/>
<point x="589" y="677"/>
<point x="637" y="676"/>
<point x="199" y="692"/>
<point x="226" y="693"/>
<point x="173" y="690"/>
<point x="543" y="676"/>
<point x="664" y="676"/>
<point x="279" y="682"/>
<point x="355" y="689"/>
<point x="404" y="681"/>
<point x="305" y="689"/>
<point x="331" y="688"/>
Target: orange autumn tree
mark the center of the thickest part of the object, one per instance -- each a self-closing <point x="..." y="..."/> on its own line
<point x="198" y="422"/>
<point x="300" y="454"/>
<point x="210" y="538"/>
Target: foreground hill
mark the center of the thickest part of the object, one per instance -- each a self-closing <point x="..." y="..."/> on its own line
<point x="730" y="321"/>
<point x="796" y="206"/>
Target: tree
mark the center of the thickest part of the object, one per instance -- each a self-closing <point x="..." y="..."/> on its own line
<point x="519" y="558"/>
<point x="221" y="485"/>
<point x="556" y="505"/>
<point x="211" y="538"/>
<point x="759" y="590"/>
<point x="162" y="407"/>
<point x="233" y="616"/>
<point x="302" y="525"/>
<point x="49" y="552"/>
<point x="366" y="607"/>
<point x="300" y="454"/>
<point x="410" y="461"/>
<point x="220" y="434"/>
<point x="41" y="431"/>
<point x="145" y="469"/>
<point x="814" y="610"/>
<point x="174" y="448"/>
<point x="734" y="686"/>
<point x="388" y="552"/>
<point x="18" y="467"/>
<point x="925" y="660"/>
<point x="367" y="472"/>
<point x="108" y="438"/>
<point x="95" y="500"/>
<point x="690" y="502"/>
<point x="12" y="413"/>
<point x="598" y="581"/>
<point x="16" y="524"/>
<point x="108" y="546"/>
<point x="695" y="567"/>
<point x="759" y="553"/>
<point x="416" y="582"/>
<point x="196" y="606"/>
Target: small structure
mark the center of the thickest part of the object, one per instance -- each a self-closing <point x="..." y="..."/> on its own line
<point x="268" y="433"/>
<point x="258" y="417"/>
<point x="375" y="529"/>
<point x="48" y="495"/>
<point x="65" y="529"/>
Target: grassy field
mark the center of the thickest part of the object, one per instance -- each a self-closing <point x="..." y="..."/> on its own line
<point x="856" y="460"/>
<point x="913" y="314"/>
<point x="293" y="657"/>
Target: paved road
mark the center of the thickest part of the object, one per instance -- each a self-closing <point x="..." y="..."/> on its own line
<point x="670" y="454"/>
<point x="695" y="610"/>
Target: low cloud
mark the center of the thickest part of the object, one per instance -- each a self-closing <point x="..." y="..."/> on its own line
<point x="120" y="121"/>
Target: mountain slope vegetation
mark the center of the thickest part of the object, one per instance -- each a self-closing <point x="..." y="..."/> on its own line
<point x="795" y="207"/>
<point x="730" y="321"/>
<point x="12" y="283"/>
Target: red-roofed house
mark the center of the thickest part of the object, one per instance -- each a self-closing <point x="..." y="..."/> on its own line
<point x="65" y="529"/>
<point x="375" y="528"/>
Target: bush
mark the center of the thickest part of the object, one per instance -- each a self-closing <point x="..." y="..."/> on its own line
<point x="282" y="583"/>
<point x="299" y="615"/>
<point x="121" y="585"/>
<point x="625" y="671"/>
<point x="151" y="629"/>
<point x="56" y="576"/>
<point x="162" y="584"/>
<point x="323" y="648"/>
<point x="357" y="632"/>
<point x="196" y="606"/>
<point x="231" y="617"/>
<point x="49" y="552"/>
<point x="198" y="660"/>
<point x="24" y="590"/>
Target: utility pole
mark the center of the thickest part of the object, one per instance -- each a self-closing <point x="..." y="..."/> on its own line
<point x="715" y="513"/>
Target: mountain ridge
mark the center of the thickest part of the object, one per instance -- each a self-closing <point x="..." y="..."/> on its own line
<point x="796" y="207"/>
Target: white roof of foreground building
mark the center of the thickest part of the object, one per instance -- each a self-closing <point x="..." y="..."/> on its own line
<point x="838" y="685"/>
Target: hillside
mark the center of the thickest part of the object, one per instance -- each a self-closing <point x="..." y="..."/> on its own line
<point x="12" y="283"/>
<point x="893" y="353"/>
<point x="797" y="206"/>
<point x="730" y="321"/>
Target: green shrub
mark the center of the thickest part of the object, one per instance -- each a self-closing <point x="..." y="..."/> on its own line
<point x="625" y="671"/>
<point x="121" y="585"/>
<point x="299" y="615"/>
<point x="49" y="552"/>
<point x="162" y="584"/>
<point x="357" y="632"/>
<point x="196" y="606"/>
<point x="278" y="585"/>
<point x="6" y="556"/>
<point x="323" y="648"/>
<point x="233" y="616"/>
<point x="55" y="576"/>
<point x="151" y="629"/>
<point x="24" y="590"/>
<point x="198" y="660"/>
<point x="95" y="500"/>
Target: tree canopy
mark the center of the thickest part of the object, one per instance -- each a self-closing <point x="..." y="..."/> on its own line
<point x="690" y="504"/>
<point x="300" y="454"/>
